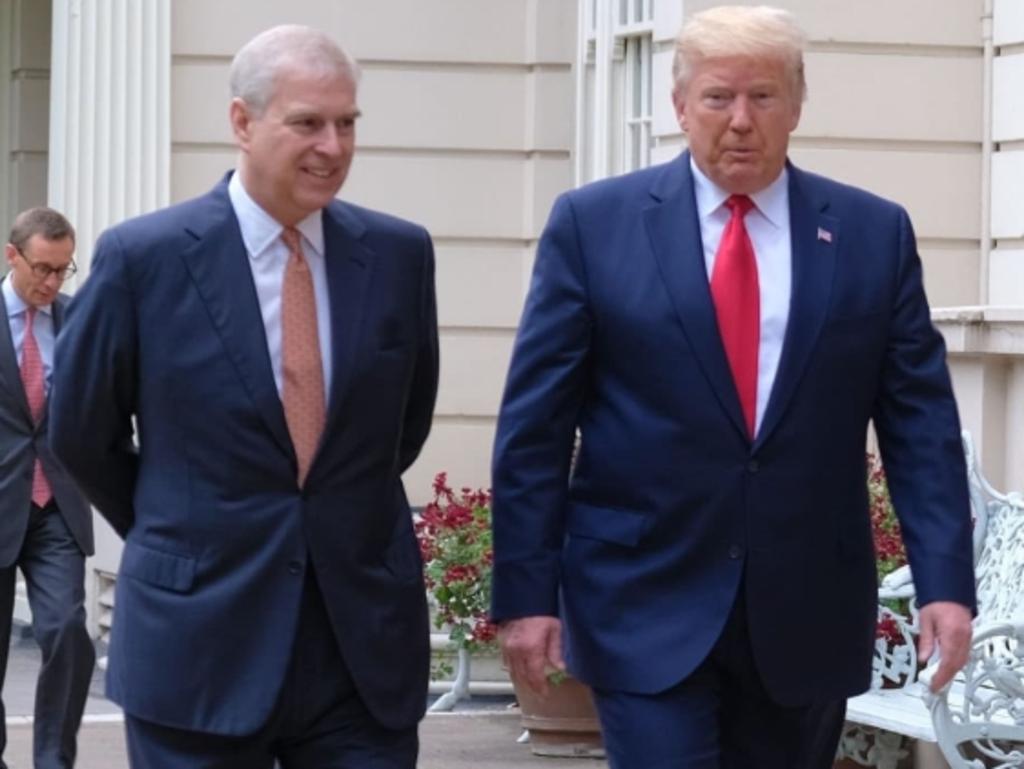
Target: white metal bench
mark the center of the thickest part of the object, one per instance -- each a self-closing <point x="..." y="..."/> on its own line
<point x="977" y="721"/>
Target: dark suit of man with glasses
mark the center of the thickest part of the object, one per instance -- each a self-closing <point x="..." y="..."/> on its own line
<point x="45" y="522"/>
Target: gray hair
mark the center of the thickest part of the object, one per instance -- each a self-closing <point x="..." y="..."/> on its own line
<point x="256" y="67"/>
<point x="48" y="223"/>
<point x="737" y="30"/>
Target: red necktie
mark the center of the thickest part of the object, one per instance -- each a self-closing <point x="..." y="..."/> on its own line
<point x="35" y="394"/>
<point x="737" y="299"/>
<point x="301" y="367"/>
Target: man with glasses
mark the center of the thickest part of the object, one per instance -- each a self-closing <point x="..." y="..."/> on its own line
<point x="45" y="522"/>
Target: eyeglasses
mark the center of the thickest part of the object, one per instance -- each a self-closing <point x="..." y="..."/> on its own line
<point x="44" y="271"/>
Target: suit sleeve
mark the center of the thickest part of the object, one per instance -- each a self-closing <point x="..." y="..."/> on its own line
<point x="536" y="425"/>
<point x="919" y="435"/>
<point x="419" y="410"/>
<point x="93" y="395"/>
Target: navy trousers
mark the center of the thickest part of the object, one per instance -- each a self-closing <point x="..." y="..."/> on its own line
<point x="320" y="721"/>
<point x="719" y="717"/>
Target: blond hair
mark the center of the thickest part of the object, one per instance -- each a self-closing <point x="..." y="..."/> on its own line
<point x="739" y="30"/>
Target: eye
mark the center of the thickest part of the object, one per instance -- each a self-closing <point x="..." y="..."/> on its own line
<point x="716" y="99"/>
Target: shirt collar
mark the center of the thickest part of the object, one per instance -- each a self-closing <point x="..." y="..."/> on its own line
<point x="260" y="230"/>
<point x="15" y="304"/>
<point x="772" y="202"/>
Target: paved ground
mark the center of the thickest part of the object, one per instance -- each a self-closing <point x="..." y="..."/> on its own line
<point x="481" y="737"/>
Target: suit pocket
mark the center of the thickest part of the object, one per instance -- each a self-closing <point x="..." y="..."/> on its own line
<point x="170" y="571"/>
<point x="621" y="527"/>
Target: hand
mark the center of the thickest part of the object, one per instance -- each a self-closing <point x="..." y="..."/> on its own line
<point x="945" y="625"/>
<point x="530" y="647"/>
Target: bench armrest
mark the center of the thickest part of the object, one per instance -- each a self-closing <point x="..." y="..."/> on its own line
<point x="982" y="710"/>
<point x="897" y="585"/>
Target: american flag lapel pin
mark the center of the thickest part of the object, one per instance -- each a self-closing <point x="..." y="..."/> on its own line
<point x="824" y="234"/>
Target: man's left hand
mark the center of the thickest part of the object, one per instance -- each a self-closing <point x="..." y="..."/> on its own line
<point x="946" y="625"/>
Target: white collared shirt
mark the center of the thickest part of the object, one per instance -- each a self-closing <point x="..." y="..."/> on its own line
<point x="268" y="256"/>
<point x="768" y="227"/>
<point x="42" y="328"/>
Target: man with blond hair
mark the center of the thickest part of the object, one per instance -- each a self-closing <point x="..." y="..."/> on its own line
<point x="277" y="350"/>
<point x="719" y="331"/>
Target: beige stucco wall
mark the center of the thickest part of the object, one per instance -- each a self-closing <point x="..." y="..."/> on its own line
<point x="24" y="98"/>
<point x="467" y="127"/>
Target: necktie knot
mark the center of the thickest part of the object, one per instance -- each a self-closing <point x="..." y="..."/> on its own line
<point x="739" y="205"/>
<point x="293" y="240"/>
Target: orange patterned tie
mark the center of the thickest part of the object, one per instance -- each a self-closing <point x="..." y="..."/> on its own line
<point x="303" y="373"/>
<point x="32" y="380"/>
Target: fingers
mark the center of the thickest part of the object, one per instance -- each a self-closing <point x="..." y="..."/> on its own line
<point x="530" y="646"/>
<point x="947" y="626"/>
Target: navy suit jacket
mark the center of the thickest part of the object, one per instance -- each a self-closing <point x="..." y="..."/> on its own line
<point x="168" y="331"/>
<point x="670" y="509"/>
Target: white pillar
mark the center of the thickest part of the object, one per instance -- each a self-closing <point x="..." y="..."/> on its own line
<point x="110" y="131"/>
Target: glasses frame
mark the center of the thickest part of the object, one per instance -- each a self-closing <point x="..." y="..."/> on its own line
<point x="44" y="271"/>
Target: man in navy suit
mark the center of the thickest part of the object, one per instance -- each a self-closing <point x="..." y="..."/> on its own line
<point x="720" y="331"/>
<point x="277" y="350"/>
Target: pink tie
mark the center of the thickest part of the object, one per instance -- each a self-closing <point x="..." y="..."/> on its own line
<point x="32" y="380"/>
<point x="734" y="289"/>
<point x="303" y="373"/>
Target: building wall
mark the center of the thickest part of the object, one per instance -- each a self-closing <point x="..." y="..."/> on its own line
<point x="894" y="106"/>
<point x="24" y="99"/>
<point x="467" y="129"/>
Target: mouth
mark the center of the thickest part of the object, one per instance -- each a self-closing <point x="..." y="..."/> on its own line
<point x="320" y="173"/>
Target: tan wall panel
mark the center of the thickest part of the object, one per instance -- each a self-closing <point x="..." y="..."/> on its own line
<point x="1007" y="105"/>
<point x="412" y="30"/>
<point x="402" y="107"/>
<point x="1007" y="194"/>
<point x="551" y="110"/>
<point x="552" y="30"/>
<point x="550" y="177"/>
<point x="940" y="190"/>
<point x="30" y="99"/>
<point x="28" y="182"/>
<point x="845" y="98"/>
<point x="31" y="40"/>
<point x="452" y="196"/>
<point x="1006" y="277"/>
<point x="918" y="22"/>
<point x="473" y="368"/>
<point x="480" y="285"/>
<point x="951" y="276"/>
<point x="462" y="450"/>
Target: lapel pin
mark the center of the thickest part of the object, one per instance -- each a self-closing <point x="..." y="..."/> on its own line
<point x="825" y="235"/>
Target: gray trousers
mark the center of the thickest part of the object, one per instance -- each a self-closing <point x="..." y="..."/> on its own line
<point x="54" y="569"/>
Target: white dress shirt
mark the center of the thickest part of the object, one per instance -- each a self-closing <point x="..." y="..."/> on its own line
<point x="768" y="226"/>
<point x="42" y="328"/>
<point x="268" y="256"/>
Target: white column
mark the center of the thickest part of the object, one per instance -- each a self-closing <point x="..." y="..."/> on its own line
<point x="110" y="132"/>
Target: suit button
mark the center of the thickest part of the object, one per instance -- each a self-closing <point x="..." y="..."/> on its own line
<point x="735" y="551"/>
<point x="294" y="567"/>
<point x="753" y="466"/>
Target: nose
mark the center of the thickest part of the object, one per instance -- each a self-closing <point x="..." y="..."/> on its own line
<point x="53" y="280"/>
<point x="740" y="115"/>
<point x="331" y="141"/>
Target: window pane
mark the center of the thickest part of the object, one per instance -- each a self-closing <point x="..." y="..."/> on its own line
<point x="623" y="11"/>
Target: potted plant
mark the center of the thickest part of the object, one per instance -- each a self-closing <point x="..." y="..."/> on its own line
<point x="454" y="535"/>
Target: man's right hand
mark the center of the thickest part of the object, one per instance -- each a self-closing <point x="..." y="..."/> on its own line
<point x="530" y="648"/>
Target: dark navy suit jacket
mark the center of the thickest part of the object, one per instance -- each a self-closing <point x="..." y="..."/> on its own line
<point x="217" y="532"/>
<point x="644" y="549"/>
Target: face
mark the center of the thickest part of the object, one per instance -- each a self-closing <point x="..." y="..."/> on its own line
<point x="738" y="113"/>
<point x="55" y="254"/>
<point x="296" y="155"/>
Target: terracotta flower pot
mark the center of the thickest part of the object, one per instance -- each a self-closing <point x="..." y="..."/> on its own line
<point x="564" y="723"/>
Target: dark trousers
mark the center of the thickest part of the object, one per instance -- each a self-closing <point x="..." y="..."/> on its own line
<point x="320" y="721"/>
<point x="719" y="717"/>
<point x="54" y="569"/>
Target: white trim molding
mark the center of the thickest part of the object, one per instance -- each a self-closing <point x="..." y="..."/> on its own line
<point x="110" y="127"/>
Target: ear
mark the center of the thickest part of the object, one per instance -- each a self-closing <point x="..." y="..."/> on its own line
<point x="795" y="117"/>
<point x="11" y="253"/>
<point x="679" y="104"/>
<point x="241" y="122"/>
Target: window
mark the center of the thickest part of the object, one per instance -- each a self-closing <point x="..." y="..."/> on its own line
<point x="614" y="88"/>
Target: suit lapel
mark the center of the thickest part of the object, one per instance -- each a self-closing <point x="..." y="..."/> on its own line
<point x="815" y="238"/>
<point x="349" y="265"/>
<point x="674" y="231"/>
<point x="220" y="270"/>
<point x="10" y="373"/>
